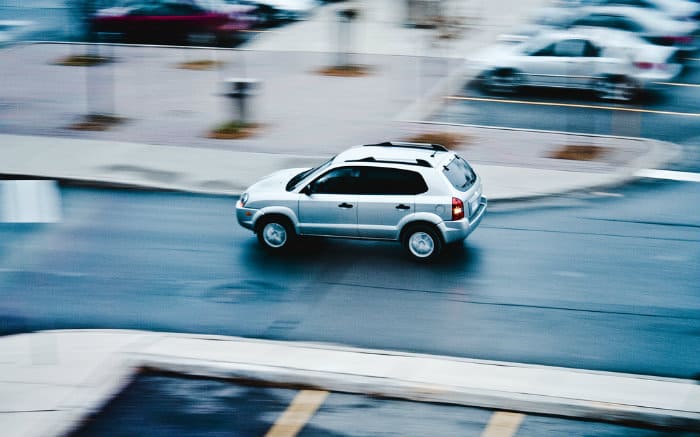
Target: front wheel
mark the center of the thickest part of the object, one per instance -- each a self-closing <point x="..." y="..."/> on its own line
<point x="422" y="242"/>
<point x="502" y="81"/>
<point x="276" y="234"/>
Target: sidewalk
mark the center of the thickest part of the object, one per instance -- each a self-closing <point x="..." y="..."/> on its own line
<point x="78" y="371"/>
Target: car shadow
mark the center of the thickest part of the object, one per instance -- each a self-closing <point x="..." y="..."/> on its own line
<point x="361" y="254"/>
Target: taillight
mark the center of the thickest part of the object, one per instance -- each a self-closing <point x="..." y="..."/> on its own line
<point x="650" y="66"/>
<point x="644" y="65"/>
<point x="457" y="209"/>
<point x="684" y="39"/>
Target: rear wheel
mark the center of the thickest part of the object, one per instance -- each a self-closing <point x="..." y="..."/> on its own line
<point x="276" y="233"/>
<point x="616" y="89"/>
<point x="422" y="242"/>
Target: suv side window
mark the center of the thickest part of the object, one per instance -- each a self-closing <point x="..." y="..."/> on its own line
<point x="342" y="180"/>
<point x="386" y="181"/>
<point x="459" y="173"/>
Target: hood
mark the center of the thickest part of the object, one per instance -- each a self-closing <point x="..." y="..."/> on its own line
<point x="494" y="55"/>
<point x="275" y="181"/>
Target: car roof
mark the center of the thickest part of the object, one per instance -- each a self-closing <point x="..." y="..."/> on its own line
<point x="601" y="35"/>
<point x="413" y="154"/>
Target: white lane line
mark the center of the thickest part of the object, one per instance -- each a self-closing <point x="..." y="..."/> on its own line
<point x="668" y="174"/>
<point x="302" y="408"/>
<point x="573" y="105"/>
<point x="503" y="424"/>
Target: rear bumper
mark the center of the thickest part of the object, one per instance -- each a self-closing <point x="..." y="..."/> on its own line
<point x="453" y="231"/>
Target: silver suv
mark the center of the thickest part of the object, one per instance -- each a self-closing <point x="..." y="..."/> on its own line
<point x="422" y="195"/>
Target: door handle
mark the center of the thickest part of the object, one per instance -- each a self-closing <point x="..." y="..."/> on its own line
<point x="402" y="206"/>
<point x="345" y="205"/>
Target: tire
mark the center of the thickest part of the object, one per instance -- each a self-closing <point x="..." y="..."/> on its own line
<point x="502" y="81"/>
<point x="276" y="233"/>
<point x="422" y="242"/>
<point x="617" y="89"/>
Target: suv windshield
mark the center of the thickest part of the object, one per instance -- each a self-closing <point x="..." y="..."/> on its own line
<point x="294" y="182"/>
<point x="459" y="173"/>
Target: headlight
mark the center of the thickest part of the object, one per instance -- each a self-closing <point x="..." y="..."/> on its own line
<point x="243" y="200"/>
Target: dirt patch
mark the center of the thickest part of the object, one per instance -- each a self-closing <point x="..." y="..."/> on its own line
<point x="345" y="71"/>
<point x="82" y="60"/>
<point x="575" y="152"/>
<point x="447" y="139"/>
<point x="234" y="130"/>
<point x="202" y="64"/>
<point x="97" y="122"/>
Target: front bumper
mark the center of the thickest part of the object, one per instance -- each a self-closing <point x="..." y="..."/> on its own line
<point x="245" y="217"/>
<point x="453" y="231"/>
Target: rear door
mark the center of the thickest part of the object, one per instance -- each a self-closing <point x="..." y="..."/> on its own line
<point x="580" y="57"/>
<point x="386" y="196"/>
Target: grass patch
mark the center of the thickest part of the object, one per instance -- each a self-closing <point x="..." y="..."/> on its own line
<point x="345" y="71"/>
<point x="234" y="130"/>
<point x="97" y="122"/>
<point x="202" y="64"/>
<point x="82" y="61"/>
<point x="574" y="152"/>
<point x="447" y="139"/>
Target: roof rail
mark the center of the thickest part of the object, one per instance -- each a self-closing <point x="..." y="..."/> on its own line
<point x="425" y="146"/>
<point x="418" y="162"/>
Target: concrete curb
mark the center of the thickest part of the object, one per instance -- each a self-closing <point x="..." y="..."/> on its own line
<point x="574" y="393"/>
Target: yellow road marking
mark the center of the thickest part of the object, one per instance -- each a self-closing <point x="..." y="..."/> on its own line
<point x="573" y="105"/>
<point x="302" y="408"/>
<point x="692" y="85"/>
<point x="503" y="424"/>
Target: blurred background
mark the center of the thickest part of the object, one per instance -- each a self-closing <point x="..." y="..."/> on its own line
<point x="129" y="128"/>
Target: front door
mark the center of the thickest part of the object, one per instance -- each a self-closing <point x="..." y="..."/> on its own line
<point x="329" y="208"/>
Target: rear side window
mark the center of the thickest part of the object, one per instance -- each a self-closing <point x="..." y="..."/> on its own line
<point x="459" y="173"/>
<point x="377" y="180"/>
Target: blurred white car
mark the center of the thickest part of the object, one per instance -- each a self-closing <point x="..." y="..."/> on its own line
<point x="273" y="11"/>
<point x="678" y="9"/>
<point x="651" y="25"/>
<point x="615" y="64"/>
<point x="12" y="31"/>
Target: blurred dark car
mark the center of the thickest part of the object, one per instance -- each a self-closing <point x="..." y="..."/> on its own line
<point x="174" y="21"/>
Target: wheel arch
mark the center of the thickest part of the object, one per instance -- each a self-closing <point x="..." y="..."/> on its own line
<point x="272" y="211"/>
<point x="422" y="221"/>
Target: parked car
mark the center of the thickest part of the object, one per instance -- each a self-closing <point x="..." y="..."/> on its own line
<point x="649" y="24"/>
<point x="616" y="65"/>
<point x="271" y="12"/>
<point x="12" y="31"/>
<point x="174" y="21"/>
<point x="677" y="9"/>
<point x="422" y="195"/>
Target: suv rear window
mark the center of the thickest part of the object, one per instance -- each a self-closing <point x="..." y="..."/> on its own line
<point x="459" y="173"/>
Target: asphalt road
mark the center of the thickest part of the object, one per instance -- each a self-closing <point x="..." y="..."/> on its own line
<point x="606" y="282"/>
<point x="672" y="113"/>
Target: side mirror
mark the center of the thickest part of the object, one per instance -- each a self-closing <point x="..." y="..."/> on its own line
<point x="308" y="190"/>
